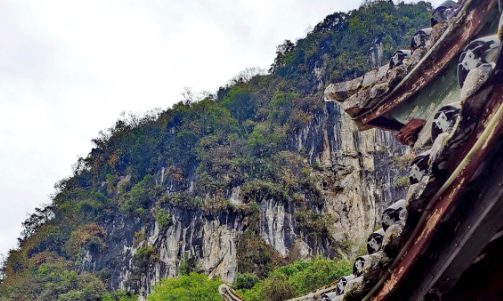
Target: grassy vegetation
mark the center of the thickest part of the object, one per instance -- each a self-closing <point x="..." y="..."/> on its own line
<point x="295" y="279"/>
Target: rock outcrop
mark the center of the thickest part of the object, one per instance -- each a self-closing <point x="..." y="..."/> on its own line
<point x="357" y="172"/>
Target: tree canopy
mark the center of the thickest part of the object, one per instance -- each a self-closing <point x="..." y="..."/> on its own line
<point x="192" y="287"/>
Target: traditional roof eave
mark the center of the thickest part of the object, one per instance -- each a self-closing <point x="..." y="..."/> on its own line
<point x="367" y="112"/>
<point x="442" y="204"/>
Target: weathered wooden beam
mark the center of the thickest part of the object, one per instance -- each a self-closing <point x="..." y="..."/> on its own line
<point x="409" y="133"/>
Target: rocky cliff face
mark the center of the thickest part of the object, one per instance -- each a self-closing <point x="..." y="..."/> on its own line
<point x="376" y="53"/>
<point x="356" y="172"/>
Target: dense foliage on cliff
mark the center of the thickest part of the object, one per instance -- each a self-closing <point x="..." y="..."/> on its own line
<point x="292" y="280"/>
<point x="186" y="288"/>
<point x="242" y="136"/>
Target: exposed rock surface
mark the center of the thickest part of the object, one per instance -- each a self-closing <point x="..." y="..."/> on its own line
<point x="376" y="54"/>
<point x="357" y="172"/>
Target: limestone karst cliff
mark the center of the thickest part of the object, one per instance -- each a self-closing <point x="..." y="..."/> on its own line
<point x="357" y="176"/>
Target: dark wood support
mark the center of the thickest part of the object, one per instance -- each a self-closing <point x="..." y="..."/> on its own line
<point x="409" y="133"/>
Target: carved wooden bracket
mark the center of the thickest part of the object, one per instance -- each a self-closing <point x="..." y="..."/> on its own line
<point x="409" y="133"/>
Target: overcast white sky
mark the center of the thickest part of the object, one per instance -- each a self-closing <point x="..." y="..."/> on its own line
<point x="68" y="68"/>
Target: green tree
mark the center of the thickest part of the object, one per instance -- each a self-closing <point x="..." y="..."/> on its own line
<point x="296" y="279"/>
<point x="162" y="217"/>
<point x="140" y="195"/>
<point x="145" y="256"/>
<point x="277" y="288"/>
<point x="308" y="275"/>
<point x="241" y="103"/>
<point x="193" y="287"/>
<point x="245" y="281"/>
<point x="282" y="104"/>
